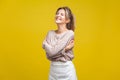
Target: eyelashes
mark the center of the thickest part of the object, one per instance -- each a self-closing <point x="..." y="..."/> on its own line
<point x="62" y="14"/>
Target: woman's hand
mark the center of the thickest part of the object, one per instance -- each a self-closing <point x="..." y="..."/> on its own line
<point x="70" y="45"/>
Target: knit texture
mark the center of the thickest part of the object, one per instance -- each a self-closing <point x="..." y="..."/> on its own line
<point x="54" y="45"/>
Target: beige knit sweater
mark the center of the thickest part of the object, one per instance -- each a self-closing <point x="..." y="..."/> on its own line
<point x="54" y="45"/>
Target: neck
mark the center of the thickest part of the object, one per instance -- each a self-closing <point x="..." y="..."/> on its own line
<point x="61" y="28"/>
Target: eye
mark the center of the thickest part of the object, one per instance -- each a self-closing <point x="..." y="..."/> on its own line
<point x="62" y="14"/>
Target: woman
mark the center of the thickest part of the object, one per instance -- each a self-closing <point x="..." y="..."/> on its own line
<point x="58" y="46"/>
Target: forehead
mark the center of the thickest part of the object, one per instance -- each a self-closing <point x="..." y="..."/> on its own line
<point x="61" y="11"/>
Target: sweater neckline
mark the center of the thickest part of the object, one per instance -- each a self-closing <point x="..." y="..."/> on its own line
<point x="60" y="33"/>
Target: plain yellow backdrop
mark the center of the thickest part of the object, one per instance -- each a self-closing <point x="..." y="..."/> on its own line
<point x="24" y="24"/>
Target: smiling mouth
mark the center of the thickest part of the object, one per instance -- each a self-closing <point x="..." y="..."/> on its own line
<point x="58" y="18"/>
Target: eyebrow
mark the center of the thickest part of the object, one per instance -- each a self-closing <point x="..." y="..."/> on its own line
<point x="61" y="12"/>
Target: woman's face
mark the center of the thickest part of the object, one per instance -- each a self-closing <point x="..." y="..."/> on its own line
<point x="60" y="17"/>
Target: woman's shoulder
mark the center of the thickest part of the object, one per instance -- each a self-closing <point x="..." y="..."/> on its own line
<point x="50" y="31"/>
<point x="71" y="32"/>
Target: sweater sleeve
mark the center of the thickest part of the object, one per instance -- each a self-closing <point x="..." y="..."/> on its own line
<point x="59" y="47"/>
<point x="44" y="41"/>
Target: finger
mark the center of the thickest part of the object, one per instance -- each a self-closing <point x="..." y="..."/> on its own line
<point x="71" y="41"/>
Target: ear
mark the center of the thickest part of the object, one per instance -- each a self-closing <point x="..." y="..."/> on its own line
<point x="67" y="20"/>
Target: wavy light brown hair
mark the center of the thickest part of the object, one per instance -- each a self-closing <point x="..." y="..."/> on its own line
<point x="69" y="15"/>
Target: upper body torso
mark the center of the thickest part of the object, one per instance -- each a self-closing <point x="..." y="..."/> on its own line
<point x="54" y="45"/>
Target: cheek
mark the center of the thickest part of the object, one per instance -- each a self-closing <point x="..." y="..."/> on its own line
<point x="55" y="17"/>
<point x="63" y="17"/>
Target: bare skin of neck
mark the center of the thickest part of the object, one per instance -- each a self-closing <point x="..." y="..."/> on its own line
<point x="61" y="28"/>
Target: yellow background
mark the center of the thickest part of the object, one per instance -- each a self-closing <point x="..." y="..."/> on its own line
<point x="24" y="24"/>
